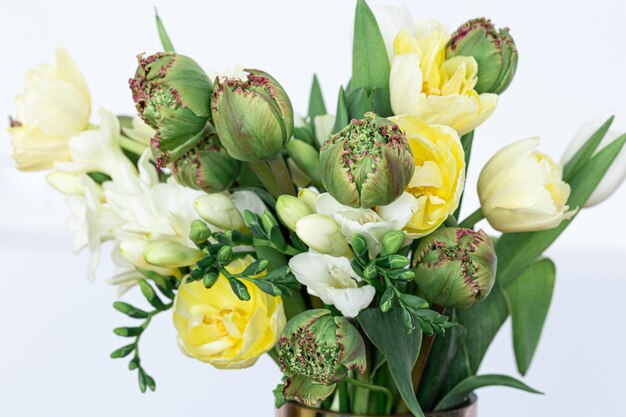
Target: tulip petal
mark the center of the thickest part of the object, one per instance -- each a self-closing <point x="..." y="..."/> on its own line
<point x="405" y="83"/>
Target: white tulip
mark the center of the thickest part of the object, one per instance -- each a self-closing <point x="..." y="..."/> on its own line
<point x="371" y="224"/>
<point x="615" y="175"/>
<point x="54" y="106"/>
<point x="322" y="234"/>
<point x="522" y="190"/>
<point x="391" y="20"/>
<point x="333" y="280"/>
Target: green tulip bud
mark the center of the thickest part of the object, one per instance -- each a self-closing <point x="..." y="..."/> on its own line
<point x="455" y="267"/>
<point x="207" y="166"/>
<point x="306" y="157"/>
<point x="172" y="95"/>
<point x="317" y="350"/>
<point x="368" y="163"/>
<point x="170" y="254"/>
<point x="290" y="209"/>
<point x="253" y="118"/>
<point x="199" y="232"/>
<point x="494" y="51"/>
<point x="219" y="210"/>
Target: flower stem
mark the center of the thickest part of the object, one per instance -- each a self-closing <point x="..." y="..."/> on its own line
<point x="422" y="358"/>
<point x="131" y="146"/>
<point x="274" y="175"/>
<point x="466" y="141"/>
<point x="376" y="388"/>
<point x="472" y="219"/>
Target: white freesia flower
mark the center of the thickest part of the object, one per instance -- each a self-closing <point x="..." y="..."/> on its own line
<point x="322" y="234"/>
<point x="616" y="174"/>
<point x="54" y="107"/>
<point x="98" y="150"/>
<point x="324" y="124"/>
<point x="371" y="224"/>
<point x="139" y="131"/>
<point x="333" y="280"/>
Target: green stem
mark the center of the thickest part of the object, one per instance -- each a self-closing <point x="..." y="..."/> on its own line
<point x="344" y="401"/>
<point x="376" y="388"/>
<point x="274" y="175"/>
<point x="131" y="145"/>
<point x="290" y="250"/>
<point x="472" y="219"/>
<point x="466" y="141"/>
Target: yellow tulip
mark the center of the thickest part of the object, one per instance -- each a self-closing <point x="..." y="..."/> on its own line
<point x="54" y="106"/>
<point x="439" y="175"/>
<point x="439" y="91"/>
<point x="522" y="190"/>
<point x="216" y="327"/>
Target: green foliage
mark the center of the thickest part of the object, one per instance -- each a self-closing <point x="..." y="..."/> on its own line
<point x="342" y="118"/>
<point x="465" y="387"/>
<point x="370" y="64"/>
<point x="145" y="380"/>
<point x="536" y="283"/>
<point x="399" y="348"/>
<point x="165" y="39"/>
<point x="316" y="100"/>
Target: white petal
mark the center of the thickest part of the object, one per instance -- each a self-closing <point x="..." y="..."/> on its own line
<point x="400" y="211"/>
<point x="392" y="20"/>
<point x="350" y="301"/>
<point x="323" y="127"/>
<point x="405" y="83"/>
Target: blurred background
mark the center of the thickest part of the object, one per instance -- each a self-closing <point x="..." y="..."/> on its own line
<point x="57" y="328"/>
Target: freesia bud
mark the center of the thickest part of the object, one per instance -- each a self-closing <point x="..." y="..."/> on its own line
<point x="170" y="254"/>
<point x="312" y="335"/>
<point x="309" y="197"/>
<point x="199" y="232"/>
<point x="494" y="51"/>
<point x="522" y="190"/>
<point x="368" y="163"/>
<point x="207" y="166"/>
<point x="392" y="242"/>
<point x="322" y="234"/>
<point x="219" y="210"/>
<point x="253" y="118"/>
<point x="172" y="95"/>
<point x="455" y="267"/>
<point x="290" y="209"/>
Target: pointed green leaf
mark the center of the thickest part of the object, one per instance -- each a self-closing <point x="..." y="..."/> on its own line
<point x="370" y="64"/>
<point x="151" y="295"/>
<point x="386" y="331"/>
<point x="468" y="385"/>
<point x="576" y="162"/>
<point x="341" y="115"/>
<point x="165" y="39"/>
<point x="529" y="297"/>
<point x="240" y="289"/>
<point x="129" y="310"/>
<point x="123" y="351"/>
<point x="316" y="100"/>
<point x="128" y="331"/>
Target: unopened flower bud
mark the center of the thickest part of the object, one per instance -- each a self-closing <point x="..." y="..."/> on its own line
<point x="322" y="234"/>
<point x="170" y="254"/>
<point x="309" y="197"/>
<point x="172" y="95"/>
<point x="368" y="163"/>
<point x="207" y="166"/>
<point x="219" y="210"/>
<point x="316" y="351"/>
<point x="290" y="209"/>
<point x="494" y="51"/>
<point x="392" y="242"/>
<point x="199" y="232"/>
<point x="455" y="267"/>
<point x="306" y="158"/>
<point x="253" y="118"/>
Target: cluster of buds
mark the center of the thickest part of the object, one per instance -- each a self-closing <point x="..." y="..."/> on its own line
<point x="494" y="51"/>
<point x="253" y="117"/>
<point x="316" y="351"/>
<point x="368" y="163"/>
<point x="455" y="267"/>
<point x="207" y="166"/>
<point x="172" y="95"/>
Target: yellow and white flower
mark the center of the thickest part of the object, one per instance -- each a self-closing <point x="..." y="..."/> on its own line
<point x="522" y="190"/>
<point x="439" y="176"/>
<point x="216" y="327"/>
<point x="54" y="106"/>
<point x="423" y="83"/>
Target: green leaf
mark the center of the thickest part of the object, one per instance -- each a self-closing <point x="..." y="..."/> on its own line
<point x="316" y="100"/>
<point x="129" y="310"/>
<point x="386" y="331"/>
<point x="141" y="374"/>
<point x="151" y="295"/>
<point x="362" y="100"/>
<point x="468" y="385"/>
<point x="529" y="297"/>
<point x="267" y="287"/>
<point x="128" y="331"/>
<point x="370" y="64"/>
<point x="386" y="301"/>
<point x="240" y="289"/>
<point x="163" y="283"/>
<point x="165" y="39"/>
<point x="518" y="250"/>
<point x="586" y="151"/>
<point x="341" y="118"/>
<point x="123" y="351"/>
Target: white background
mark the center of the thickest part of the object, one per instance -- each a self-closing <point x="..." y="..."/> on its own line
<point x="56" y="328"/>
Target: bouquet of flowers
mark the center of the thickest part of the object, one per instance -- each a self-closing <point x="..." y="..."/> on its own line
<point x="331" y="242"/>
